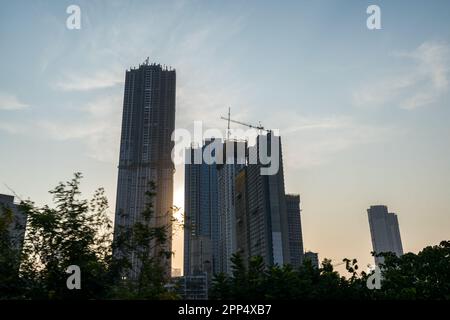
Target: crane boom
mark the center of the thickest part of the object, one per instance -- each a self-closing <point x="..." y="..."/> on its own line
<point x="245" y="124"/>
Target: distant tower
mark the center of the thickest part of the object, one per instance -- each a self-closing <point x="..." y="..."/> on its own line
<point x="385" y="231"/>
<point x="295" y="229"/>
<point x="17" y="228"/>
<point x="148" y="121"/>
<point x="313" y="257"/>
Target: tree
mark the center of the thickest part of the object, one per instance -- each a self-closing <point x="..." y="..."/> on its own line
<point x="146" y="278"/>
<point x="74" y="232"/>
<point x="78" y="232"/>
<point x="221" y="287"/>
<point x="239" y="280"/>
<point x="256" y="277"/>
<point x="425" y="275"/>
<point x="281" y="282"/>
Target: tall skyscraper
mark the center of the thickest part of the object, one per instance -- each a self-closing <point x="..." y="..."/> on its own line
<point x="233" y="160"/>
<point x="201" y="228"/>
<point x="265" y="219"/>
<point x="148" y="121"/>
<point x="295" y="229"/>
<point x="385" y="231"/>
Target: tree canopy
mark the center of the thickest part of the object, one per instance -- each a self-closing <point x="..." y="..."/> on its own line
<point x="425" y="276"/>
<point x="77" y="231"/>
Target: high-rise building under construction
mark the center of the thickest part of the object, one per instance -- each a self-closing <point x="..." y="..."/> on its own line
<point x="148" y="121"/>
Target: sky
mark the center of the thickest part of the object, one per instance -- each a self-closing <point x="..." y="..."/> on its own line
<point x="363" y="114"/>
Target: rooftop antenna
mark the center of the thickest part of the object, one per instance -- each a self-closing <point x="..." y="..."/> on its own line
<point x="147" y="61"/>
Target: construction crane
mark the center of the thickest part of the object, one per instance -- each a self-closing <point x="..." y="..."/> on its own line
<point x="260" y="127"/>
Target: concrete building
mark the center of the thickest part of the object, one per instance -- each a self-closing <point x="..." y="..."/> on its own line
<point x="262" y="212"/>
<point x="233" y="160"/>
<point x="201" y="220"/>
<point x="17" y="227"/>
<point x="313" y="257"/>
<point x="192" y="287"/>
<point x="201" y="255"/>
<point x="294" y="229"/>
<point x="242" y="218"/>
<point x="148" y="121"/>
<point x="385" y="231"/>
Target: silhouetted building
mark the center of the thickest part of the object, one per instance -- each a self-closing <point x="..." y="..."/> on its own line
<point x="385" y="231"/>
<point x="201" y="228"/>
<point x="313" y="257"/>
<point x="192" y="287"/>
<point x="233" y="160"/>
<point x="16" y="228"/>
<point x="262" y="214"/>
<point x="148" y="121"/>
<point x="295" y="229"/>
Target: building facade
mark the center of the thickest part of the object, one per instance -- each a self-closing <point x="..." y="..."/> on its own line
<point x="242" y="217"/>
<point x="313" y="258"/>
<point x="191" y="287"/>
<point x="263" y="213"/>
<point x="148" y="121"/>
<point x="233" y="153"/>
<point x="294" y="229"/>
<point x="17" y="227"/>
<point x="201" y="219"/>
<point x="385" y="231"/>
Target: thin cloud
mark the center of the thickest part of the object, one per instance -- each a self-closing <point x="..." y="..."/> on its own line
<point x="86" y="82"/>
<point x="423" y="83"/>
<point x="99" y="128"/>
<point x="12" y="128"/>
<point x="11" y="102"/>
<point x="317" y="141"/>
<point x="205" y="92"/>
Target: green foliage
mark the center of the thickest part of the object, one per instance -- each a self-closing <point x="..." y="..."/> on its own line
<point x="221" y="287"/>
<point x="145" y="279"/>
<point x="78" y="232"/>
<point x="422" y="276"/>
<point x="74" y="232"/>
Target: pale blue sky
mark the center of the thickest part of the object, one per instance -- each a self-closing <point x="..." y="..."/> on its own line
<point x="364" y="115"/>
